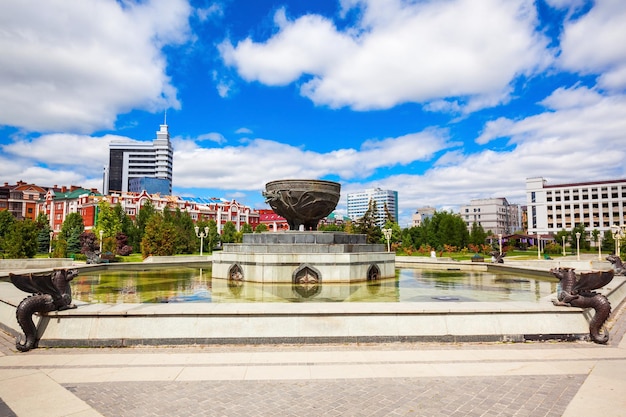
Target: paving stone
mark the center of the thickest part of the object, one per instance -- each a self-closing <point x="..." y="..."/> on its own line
<point x="457" y="396"/>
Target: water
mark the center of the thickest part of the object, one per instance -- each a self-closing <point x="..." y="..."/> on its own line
<point x="410" y="285"/>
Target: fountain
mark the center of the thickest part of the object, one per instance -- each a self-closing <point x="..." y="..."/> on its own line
<point x="303" y="255"/>
<point x="303" y="260"/>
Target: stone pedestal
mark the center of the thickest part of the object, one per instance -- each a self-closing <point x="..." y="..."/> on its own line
<point x="303" y="258"/>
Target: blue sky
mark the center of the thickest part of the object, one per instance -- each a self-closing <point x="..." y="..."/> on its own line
<point x="444" y="100"/>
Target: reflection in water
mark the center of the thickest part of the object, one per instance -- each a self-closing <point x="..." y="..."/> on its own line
<point x="307" y="290"/>
<point x="409" y="285"/>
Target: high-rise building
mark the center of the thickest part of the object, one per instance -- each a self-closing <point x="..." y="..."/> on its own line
<point x="358" y="203"/>
<point x="134" y="159"/>
<point x="599" y="205"/>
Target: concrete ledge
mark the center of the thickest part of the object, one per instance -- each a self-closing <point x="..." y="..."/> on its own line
<point x="193" y="323"/>
<point x="37" y="263"/>
<point x="175" y="259"/>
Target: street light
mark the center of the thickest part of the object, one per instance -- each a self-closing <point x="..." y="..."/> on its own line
<point x="500" y="242"/>
<point x="599" y="248"/>
<point x="617" y="234"/>
<point x="563" y="244"/>
<point x="387" y="234"/>
<point x="201" y="235"/>
<point x="101" y="233"/>
<point x="51" y="236"/>
<point x="538" y="247"/>
<point x="578" y="246"/>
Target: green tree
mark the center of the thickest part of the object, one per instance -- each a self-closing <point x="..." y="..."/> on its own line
<point x="129" y="229"/>
<point x="229" y="232"/>
<point x="6" y="222"/>
<point x="185" y="235"/>
<point x="583" y="241"/>
<point x="146" y="211"/>
<point x="443" y="228"/>
<point x="212" y="237"/>
<point x="157" y="239"/>
<point x="407" y="239"/>
<point x="245" y="228"/>
<point x="260" y="228"/>
<point x="396" y="232"/>
<point x="451" y="230"/>
<point x="109" y="222"/>
<point x="59" y="247"/>
<point x="43" y="236"/>
<point x="388" y="216"/>
<point x="21" y="239"/>
<point x="367" y="225"/>
<point x="42" y="220"/>
<point x="608" y="243"/>
<point x="331" y="227"/>
<point x="71" y="230"/>
<point x="559" y="238"/>
<point x="477" y="236"/>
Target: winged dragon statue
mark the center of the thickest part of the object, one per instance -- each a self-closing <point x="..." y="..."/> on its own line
<point x="617" y="264"/>
<point x="50" y="292"/>
<point x="578" y="292"/>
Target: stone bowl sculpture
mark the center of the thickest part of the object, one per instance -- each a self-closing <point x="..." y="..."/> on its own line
<point x="302" y="202"/>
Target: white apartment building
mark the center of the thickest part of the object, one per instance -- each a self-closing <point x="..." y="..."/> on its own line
<point x="358" y="203"/>
<point x="495" y="214"/>
<point x="597" y="205"/>
<point x="135" y="159"/>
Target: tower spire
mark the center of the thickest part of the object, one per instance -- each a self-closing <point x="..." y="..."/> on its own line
<point x="165" y="117"/>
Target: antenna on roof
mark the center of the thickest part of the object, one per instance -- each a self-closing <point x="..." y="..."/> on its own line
<point x="165" y="117"/>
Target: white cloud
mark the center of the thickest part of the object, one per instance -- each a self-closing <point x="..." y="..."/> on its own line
<point x="47" y="160"/>
<point x="249" y="166"/>
<point x="212" y="137"/>
<point x="74" y="66"/>
<point x="88" y="153"/>
<point x="579" y="136"/>
<point x="400" y="52"/>
<point x="566" y="4"/>
<point x="574" y="97"/>
<point x="567" y="143"/>
<point x="594" y="43"/>
<point x="214" y="10"/>
<point x="308" y="45"/>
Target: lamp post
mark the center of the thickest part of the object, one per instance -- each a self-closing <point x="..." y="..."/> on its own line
<point x="101" y="234"/>
<point x="599" y="248"/>
<point x="578" y="246"/>
<point x="563" y="244"/>
<point x="500" y="242"/>
<point x="201" y="235"/>
<point x="617" y="234"/>
<point x="538" y="247"/>
<point x="50" y="247"/>
<point x="387" y="234"/>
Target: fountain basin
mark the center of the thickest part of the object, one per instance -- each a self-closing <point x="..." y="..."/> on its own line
<point x="198" y="323"/>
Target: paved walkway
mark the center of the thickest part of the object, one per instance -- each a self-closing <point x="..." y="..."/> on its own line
<point x="398" y="379"/>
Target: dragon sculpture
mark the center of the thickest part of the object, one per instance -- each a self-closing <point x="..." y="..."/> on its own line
<point x="50" y="292"/>
<point x="497" y="257"/>
<point x="578" y="292"/>
<point x="616" y="261"/>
